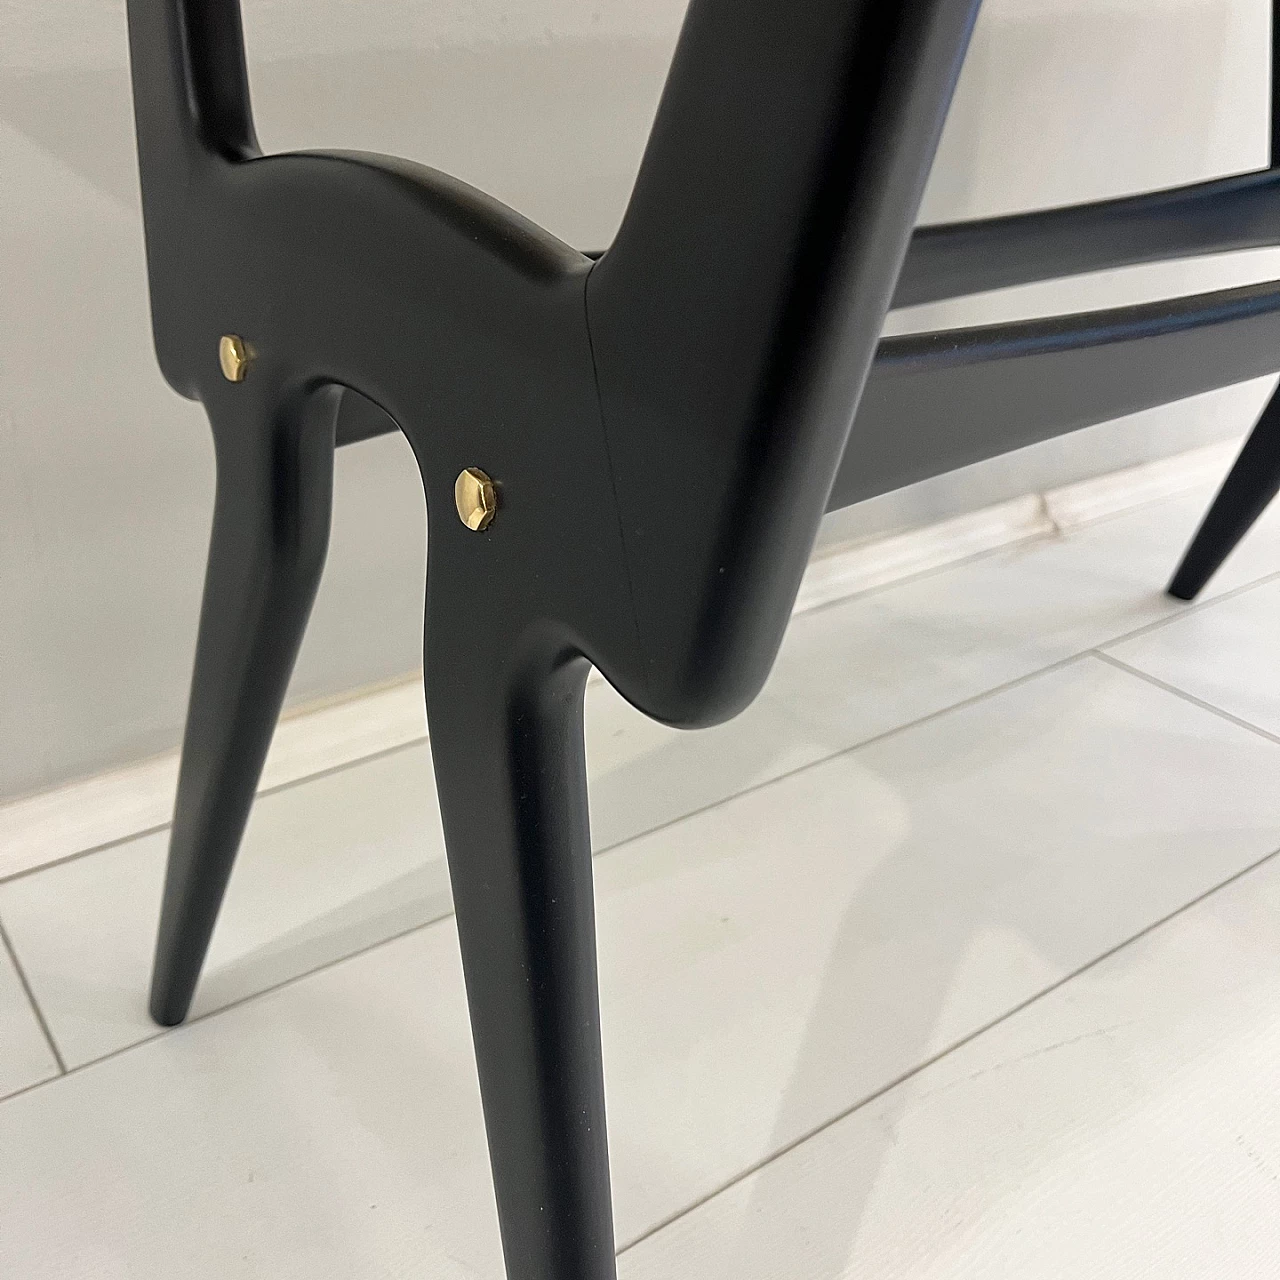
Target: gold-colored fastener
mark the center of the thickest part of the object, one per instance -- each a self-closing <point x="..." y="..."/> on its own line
<point x="235" y="356"/>
<point x="475" y="498"/>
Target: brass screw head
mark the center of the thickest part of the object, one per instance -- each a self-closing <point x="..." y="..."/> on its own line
<point x="234" y="355"/>
<point x="475" y="498"/>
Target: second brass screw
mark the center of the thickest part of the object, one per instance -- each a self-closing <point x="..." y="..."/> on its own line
<point x="476" y="498"/>
<point x="235" y="356"/>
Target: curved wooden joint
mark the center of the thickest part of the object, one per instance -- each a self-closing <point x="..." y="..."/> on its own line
<point x="673" y="428"/>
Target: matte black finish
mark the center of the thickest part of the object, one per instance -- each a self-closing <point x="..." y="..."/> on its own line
<point x="954" y="259"/>
<point x="732" y="336"/>
<point x="1246" y="493"/>
<point x="665" y="426"/>
<point x="937" y="401"/>
<point x="1255" y="478"/>
<point x="266" y="553"/>
<point x="1275" y="84"/>
<point x="949" y="260"/>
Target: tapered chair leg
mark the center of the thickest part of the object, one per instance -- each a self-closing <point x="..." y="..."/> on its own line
<point x="512" y="782"/>
<point x="1249" y="487"/>
<point x="266" y="554"/>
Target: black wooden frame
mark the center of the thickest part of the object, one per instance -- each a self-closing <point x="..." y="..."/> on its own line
<point x="665" y="427"/>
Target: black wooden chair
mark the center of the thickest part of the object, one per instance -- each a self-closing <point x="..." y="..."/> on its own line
<point x="625" y="460"/>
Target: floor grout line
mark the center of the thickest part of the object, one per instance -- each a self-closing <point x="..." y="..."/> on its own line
<point x="161" y="1033"/>
<point x="1187" y="697"/>
<point x="1187" y="607"/>
<point x="862" y="744"/>
<point x="1088" y="652"/>
<point x="1082" y="656"/>
<point x="617" y="846"/>
<point x="105" y="847"/>
<point x="905" y="1076"/>
<point x="754" y="1168"/>
<point x="7" y="944"/>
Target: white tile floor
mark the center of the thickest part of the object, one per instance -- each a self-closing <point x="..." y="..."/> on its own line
<point x="955" y="956"/>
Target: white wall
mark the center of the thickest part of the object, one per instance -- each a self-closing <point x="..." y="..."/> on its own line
<point x="106" y="477"/>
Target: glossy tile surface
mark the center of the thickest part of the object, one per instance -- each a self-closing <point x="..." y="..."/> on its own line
<point x="1124" y="1125"/>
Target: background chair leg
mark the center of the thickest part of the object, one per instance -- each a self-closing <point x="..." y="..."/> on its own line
<point x="266" y="554"/>
<point x="512" y="780"/>
<point x="1250" y="485"/>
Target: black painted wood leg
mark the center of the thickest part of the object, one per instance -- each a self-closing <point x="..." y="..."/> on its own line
<point x="266" y="554"/>
<point x="1250" y="485"/>
<point x="509" y="762"/>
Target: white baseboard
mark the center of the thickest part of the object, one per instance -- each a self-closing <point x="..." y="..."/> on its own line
<point x="40" y="829"/>
<point x="848" y="568"/>
<point x="1117" y="491"/>
<point x="109" y="807"/>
